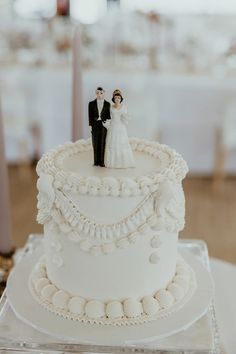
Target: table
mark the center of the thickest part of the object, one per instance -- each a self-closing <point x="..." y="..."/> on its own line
<point x="202" y="337"/>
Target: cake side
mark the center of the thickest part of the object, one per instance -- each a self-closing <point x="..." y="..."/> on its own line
<point x="112" y="235"/>
<point x="159" y="304"/>
<point x="130" y="268"/>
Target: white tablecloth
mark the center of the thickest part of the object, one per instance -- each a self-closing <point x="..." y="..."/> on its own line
<point x="184" y="109"/>
<point x="224" y="275"/>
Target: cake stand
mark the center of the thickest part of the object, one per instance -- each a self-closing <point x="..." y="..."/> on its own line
<point x="15" y="333"/>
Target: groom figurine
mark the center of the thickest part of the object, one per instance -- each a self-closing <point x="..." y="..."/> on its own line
<point x="99" y="112"/>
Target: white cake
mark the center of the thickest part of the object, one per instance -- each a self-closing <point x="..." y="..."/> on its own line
<point x="110" y="235"/>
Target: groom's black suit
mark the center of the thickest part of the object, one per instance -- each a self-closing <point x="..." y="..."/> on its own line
<point x="99" y="132"/>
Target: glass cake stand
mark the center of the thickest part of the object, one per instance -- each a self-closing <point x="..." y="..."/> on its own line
<point x="200" y="338"/>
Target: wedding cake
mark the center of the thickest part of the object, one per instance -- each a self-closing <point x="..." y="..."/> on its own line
<point x="111" y="235"/>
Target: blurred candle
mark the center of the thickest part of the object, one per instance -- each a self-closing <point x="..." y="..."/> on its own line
<point x="6" y="246"/>
<point x="77" y="109"/>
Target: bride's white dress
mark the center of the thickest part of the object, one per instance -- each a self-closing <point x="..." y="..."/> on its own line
<point x="118" y="152"/>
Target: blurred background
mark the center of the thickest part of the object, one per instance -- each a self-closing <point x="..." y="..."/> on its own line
<point x="175" y="63"/>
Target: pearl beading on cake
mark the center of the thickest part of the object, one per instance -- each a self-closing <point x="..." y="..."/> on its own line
<point x="104" y="248"/>
<point x="62" y="216"/>
<point x="126" y="312"/>
<point x="161" y="209"/>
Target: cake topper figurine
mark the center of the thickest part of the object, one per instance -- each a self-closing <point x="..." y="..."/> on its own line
<point x="99" y="113"/>
<point x="107" y="123"/>
<point x="118" y="152"/>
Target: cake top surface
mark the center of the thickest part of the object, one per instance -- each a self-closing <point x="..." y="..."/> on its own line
<point x="71" y="164"/>
<point x="80" y="163"/>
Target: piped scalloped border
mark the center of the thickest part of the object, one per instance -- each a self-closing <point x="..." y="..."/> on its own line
<point x="133" y="311"/>
<point x="51" y="163"/>
<point x="64" y="217"/>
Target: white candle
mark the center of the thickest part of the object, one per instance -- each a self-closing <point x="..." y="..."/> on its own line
<point x="5" y="227"/>
<point x="77" y="111"/>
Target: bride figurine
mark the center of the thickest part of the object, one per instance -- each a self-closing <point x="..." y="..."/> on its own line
<point x="118" y="152"/>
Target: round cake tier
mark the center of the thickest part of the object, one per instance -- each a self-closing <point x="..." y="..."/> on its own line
<point x="127" y="311"/>
<point x="111" y="233"/>
<point x="71" y="167"/>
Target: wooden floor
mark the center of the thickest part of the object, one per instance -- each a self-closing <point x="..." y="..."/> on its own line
<point x="210" y="214"/>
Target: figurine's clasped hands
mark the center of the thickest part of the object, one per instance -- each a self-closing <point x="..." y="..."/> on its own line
<point x="106" y="124"/>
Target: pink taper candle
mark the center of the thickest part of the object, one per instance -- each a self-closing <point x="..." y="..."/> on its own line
<point x="77" y="111"/>
<point x="5" y="229"/>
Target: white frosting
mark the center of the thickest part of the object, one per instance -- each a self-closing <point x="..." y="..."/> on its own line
<point x="165" y="298"/>
<point x="71" y="166"/>
<point x="76" y="305"/>
<point x="155" y="241"/>
<point x="111" y="234"/>
<point x="114" y="309"/>
<point x="176" y="290"/>
<point x="60" y="299"/>
<point x="132" y="308"/>
<point x="182" y="280"/>
<point x="57" y="260"/>
<point x="95" y="309"/>
<point x="45" y="197"/>
<point x="154" y="258"/>
<point x="40" y="267"/>
<point x="69" y="217"/>
<point x="121" y="274"/>
<point x="40" y="283"/>
<point x="48" y="291"/>
<point x="56" y="245"/>
<point x="181" y="270"/>
<point x="40" y="273"/>
<point x="116" y="312"/>
<point x="150" y="305"/>
<point x="104" y="209"/>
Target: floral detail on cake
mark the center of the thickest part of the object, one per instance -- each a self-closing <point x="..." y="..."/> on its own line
<point x="46" y="197"/>
<point x="114" y="312"/>
<point x="57" y="260"/>
<point x="56" y="245"/>
<point x="170" y="206"/>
